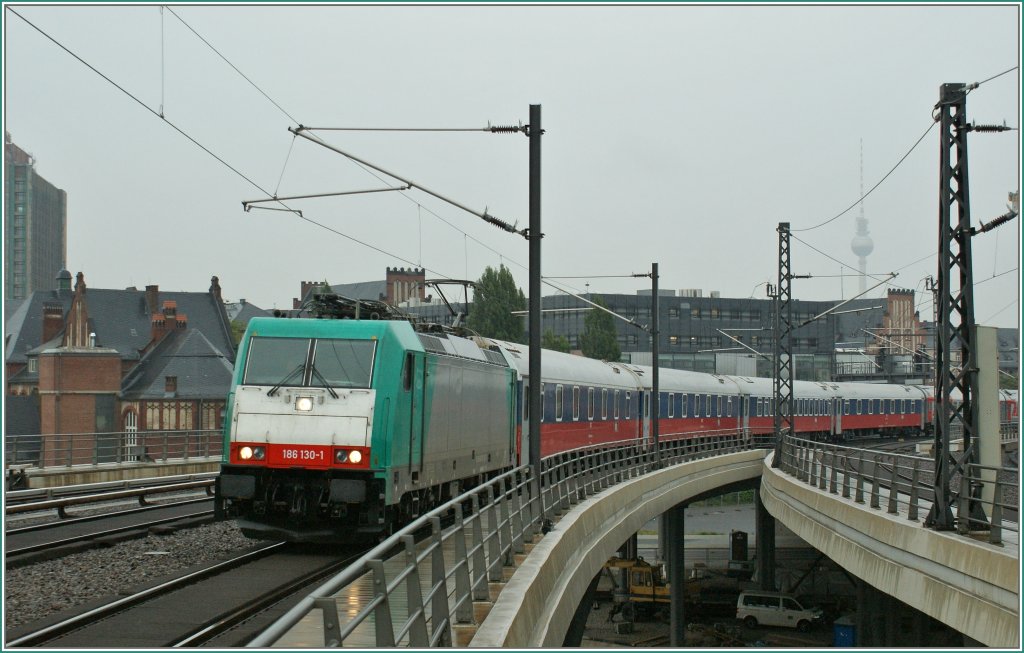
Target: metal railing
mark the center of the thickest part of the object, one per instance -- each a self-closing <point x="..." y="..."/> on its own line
<point x="904" y="484"/>
<point x="83" y="449"/>
<point x="487" y="527"/>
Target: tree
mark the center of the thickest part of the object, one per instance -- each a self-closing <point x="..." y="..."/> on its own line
<point x="237" y="331"/>
<point x="554" y="342"/>
<point x="599" y="339"/>
<point x="494" y="298"/>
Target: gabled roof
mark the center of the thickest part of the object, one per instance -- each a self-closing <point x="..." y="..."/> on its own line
<point x="202" y="370"/>
<point x="120" y="319"/>
<point x="243" y="312"/>
<point x="23" y="330"/>
<point x="375" y="290"/>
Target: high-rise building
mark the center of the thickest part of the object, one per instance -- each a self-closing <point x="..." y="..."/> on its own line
<point x="35" y="226"/>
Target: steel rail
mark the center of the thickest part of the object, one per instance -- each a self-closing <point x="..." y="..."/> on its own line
<point x="68" y="625"/>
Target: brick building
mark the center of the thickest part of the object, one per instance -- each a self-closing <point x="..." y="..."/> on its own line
<point x="101" y="361"/>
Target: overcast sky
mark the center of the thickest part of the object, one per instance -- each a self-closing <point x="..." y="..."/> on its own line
<point x="674" y="134"/>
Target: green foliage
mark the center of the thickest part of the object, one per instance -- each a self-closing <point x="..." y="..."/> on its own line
<point x="554" y="342"/>
<point x="237" y="331"/>
<point x="1007" y="382"/>
<point x="598" y="339"/>
<point x="494" y="299"/>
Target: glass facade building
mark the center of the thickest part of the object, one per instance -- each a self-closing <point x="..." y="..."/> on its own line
<point x="35" y="226"/>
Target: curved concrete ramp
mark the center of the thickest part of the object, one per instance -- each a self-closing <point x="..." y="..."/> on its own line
<point x="969" y="585"/>
<point x="537" y="605"/>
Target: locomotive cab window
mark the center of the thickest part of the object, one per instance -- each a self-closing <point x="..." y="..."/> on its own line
<point x="299" y="362"/>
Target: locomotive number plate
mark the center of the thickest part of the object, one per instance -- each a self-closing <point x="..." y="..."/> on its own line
<point x="301" y="455"/>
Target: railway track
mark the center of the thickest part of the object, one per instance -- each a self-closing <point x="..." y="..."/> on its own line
<point x="219" y="605"/>
<point x="45" y="541"/>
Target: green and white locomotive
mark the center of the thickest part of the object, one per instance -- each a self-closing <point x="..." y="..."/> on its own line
<point x="341" y="429"/>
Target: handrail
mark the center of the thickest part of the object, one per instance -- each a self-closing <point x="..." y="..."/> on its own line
<point x="77" y="500"/>
<point x="497" y="518"/>
<point x="93" y="488"/>
<point x="905" y="482"/>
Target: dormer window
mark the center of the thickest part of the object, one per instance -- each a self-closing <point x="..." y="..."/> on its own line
<point x="33" y="365"/>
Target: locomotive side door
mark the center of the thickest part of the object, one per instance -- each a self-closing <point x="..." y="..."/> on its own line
<point x="418" y="375"/>
<point x="837" y="416"/>
<point x="644" y="413"/>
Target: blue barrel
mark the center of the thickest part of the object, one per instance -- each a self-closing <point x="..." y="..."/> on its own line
<point x="844" y="632"/>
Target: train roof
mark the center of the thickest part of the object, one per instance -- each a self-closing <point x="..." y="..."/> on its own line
<point x="567" y="368"/>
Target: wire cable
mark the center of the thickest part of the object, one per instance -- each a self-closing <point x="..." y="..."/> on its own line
<point x="210" y="152"/>
<point x="994" y="315"/>
<point x="977" y="84"/>
<point x="846" y="265"/>
<point x="995" y="276"/>
<point x="364" y="168"/>
<point x="849" y="208"/>
<point x="200" y="37"/>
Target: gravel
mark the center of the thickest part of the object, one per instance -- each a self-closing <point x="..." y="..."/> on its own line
<point x="40" y="590"/>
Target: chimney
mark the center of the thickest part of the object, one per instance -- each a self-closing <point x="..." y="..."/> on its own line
<point x="171" y="385"/>
<point x="152" y="297"/>
<point x="53" y="321"/>
<point x="215" y="290"/>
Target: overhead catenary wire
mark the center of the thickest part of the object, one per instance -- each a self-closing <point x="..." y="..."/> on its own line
<point x="829" y="256"/>
<point x="970" y="87"/>
<point x="865" y="195"/>
<point x="209" y="151"/>
<point x="246" y="78"/>
<point x="490" y="128"/>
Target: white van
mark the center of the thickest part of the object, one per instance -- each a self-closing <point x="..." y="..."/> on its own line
<point x="775" y="609"/>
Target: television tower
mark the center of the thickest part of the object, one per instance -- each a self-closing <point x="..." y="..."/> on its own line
<point x="862" y="245"/>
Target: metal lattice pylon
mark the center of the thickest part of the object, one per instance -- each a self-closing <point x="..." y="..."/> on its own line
<point x="955" y="312"/>
<point x="782" y="379"/>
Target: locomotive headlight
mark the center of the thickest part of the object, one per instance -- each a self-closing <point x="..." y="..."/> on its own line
<point x="252" y="453"/>
<point x="355" y="457"/>
<point x="304" y="403"/>
<point x="340" y="456"/>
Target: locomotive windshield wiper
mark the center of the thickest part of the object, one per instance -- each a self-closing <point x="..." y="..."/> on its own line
<point x="324" y="381"/>
<point x="298" y="368"/>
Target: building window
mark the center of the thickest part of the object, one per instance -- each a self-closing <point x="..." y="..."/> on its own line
<point x="33" y="365"/>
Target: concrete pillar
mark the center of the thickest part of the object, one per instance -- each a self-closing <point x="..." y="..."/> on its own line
<point x="890" y="618"/>
<point x="632" y="548"/>
<point x="863" y="638"/>
<point x="986" y="413"/>
<point x="765" y="544"/>
<point x="574" y="635"/>
<point x="674" y="520"/>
